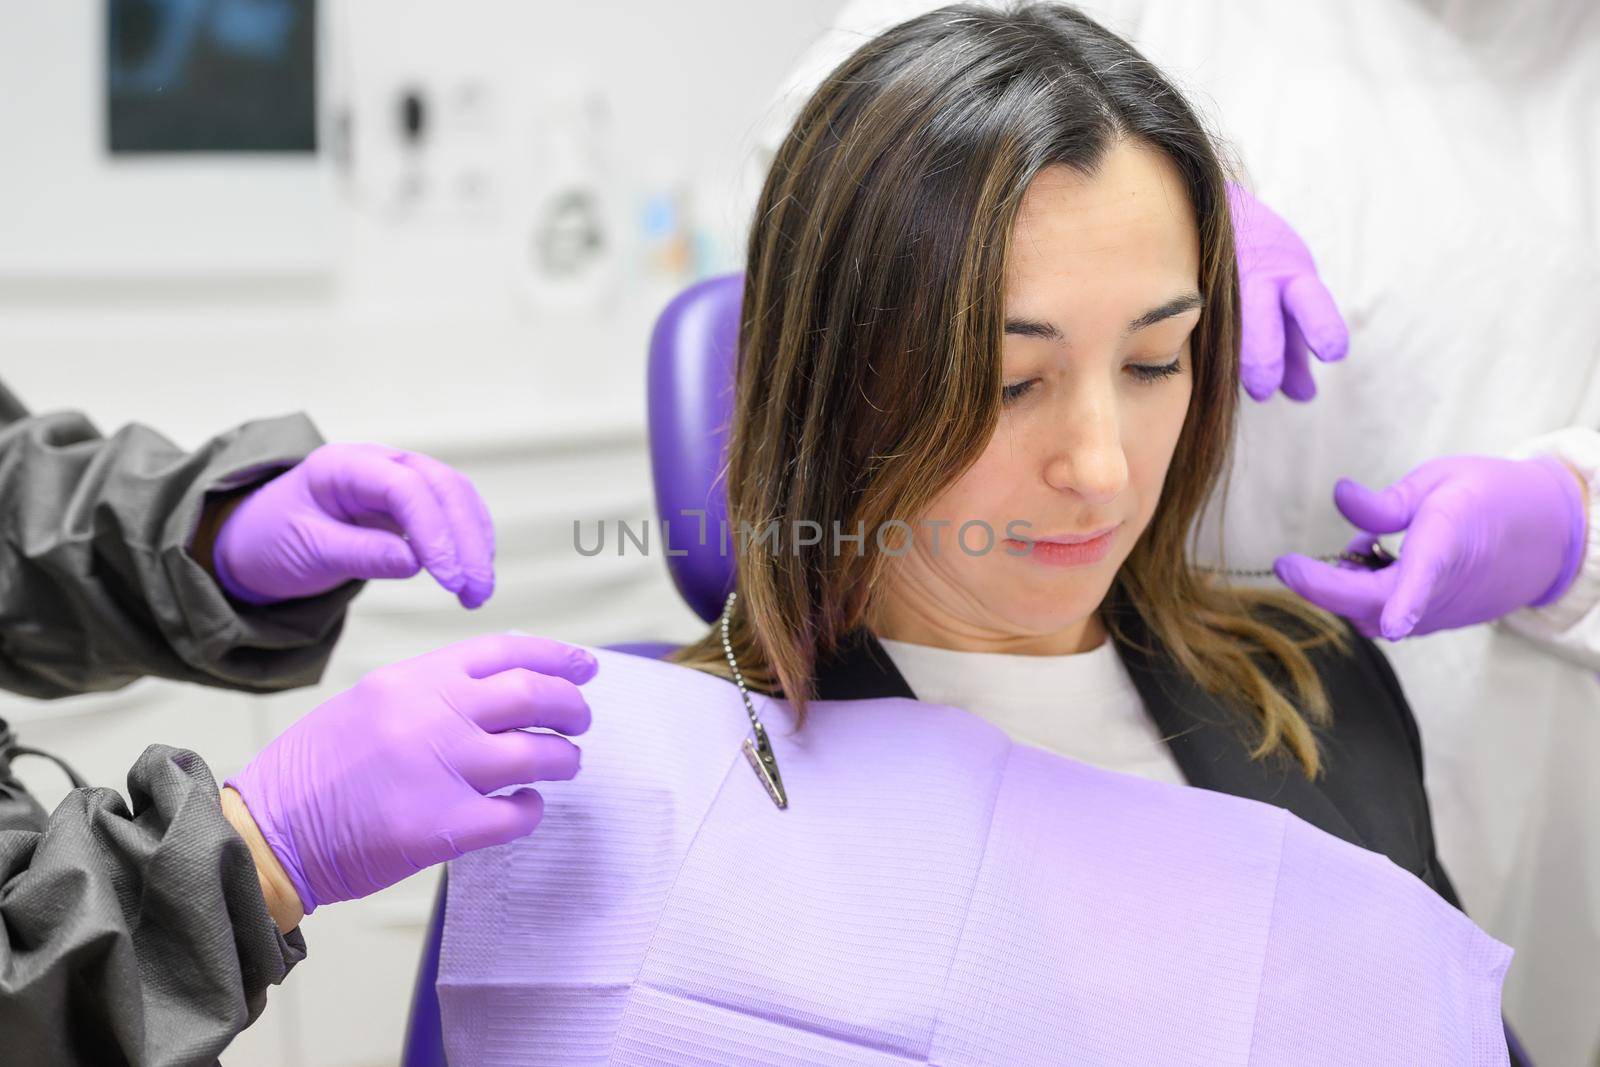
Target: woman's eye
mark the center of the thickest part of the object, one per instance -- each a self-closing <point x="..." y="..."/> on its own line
<point x="1154" y="372"/>
<point x="1011" y="393"/>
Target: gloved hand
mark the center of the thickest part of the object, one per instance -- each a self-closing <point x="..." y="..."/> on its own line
<point x="357" y="511"/>
<point x="1484" y="537"/>
<point x="1285" y="307"/>
<point x="390" y="776"/>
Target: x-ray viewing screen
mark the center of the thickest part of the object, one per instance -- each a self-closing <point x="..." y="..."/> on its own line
<point x="211" y="75"/>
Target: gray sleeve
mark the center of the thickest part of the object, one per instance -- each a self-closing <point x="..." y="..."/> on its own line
<point x="134" y="935"/>
<point x="97" y="587"/>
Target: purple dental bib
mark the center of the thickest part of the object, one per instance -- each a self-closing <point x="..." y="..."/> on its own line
<point x="937" y="894"/>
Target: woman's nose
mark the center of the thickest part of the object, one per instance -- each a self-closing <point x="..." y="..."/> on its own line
<point x="1086" y="456"/>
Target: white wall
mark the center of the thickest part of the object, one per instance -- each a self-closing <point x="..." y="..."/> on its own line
<point x="416" y="330"/>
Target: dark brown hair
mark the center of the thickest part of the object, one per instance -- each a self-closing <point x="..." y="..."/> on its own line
<point x="869" y="373"/>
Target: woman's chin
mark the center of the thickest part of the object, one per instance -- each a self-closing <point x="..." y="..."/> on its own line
<point x="1033" y="611"/>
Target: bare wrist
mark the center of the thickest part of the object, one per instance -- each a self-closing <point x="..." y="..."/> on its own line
<point x="214" y="515"/>
<point x="282" y="900"/>
<point x="1583" y="485"/>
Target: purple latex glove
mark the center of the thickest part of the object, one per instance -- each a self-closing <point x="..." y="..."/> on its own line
<point x="1484" y="537"/>
<point x="357" y="511"/>
<point x="1285" y="307"/>
<point x="390" y="776"/>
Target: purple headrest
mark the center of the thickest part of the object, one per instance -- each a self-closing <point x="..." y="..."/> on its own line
<point x="691" y="376"/>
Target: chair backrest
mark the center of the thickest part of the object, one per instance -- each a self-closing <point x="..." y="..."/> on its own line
<point x="693" y="353"/>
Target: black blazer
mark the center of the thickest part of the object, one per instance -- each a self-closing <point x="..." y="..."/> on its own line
<point x="1370" y="792"/>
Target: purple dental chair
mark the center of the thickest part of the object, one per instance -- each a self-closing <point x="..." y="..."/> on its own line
<point x="691" y="376"/>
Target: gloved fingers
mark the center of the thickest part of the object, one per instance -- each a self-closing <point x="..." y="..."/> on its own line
<point x="360" y="552"/>
<point x="1297" y="381"/>
<point x="1366" y="626"/>
<point x="492" y="653"/>
<point x="491" y="762"/>
<point x="335" y="468"/>
<point x="469" y="524"/>
<point x="518" y="757"/>
<point x="484" y="822"/>
<point x="1388" y="511"/>
<point x="1307" y="303"/>
<point x="1422" y="562"/>
<point x="1356" y="594"/>
<point x="1361" y="543"/>
<point x="485" y="523"/>
<point x="381" y="484"/>
<point x="521" y="698"/>
<point x="1261" y="342"/>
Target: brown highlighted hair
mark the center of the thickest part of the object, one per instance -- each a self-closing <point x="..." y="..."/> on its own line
<point x="869" y="371"/>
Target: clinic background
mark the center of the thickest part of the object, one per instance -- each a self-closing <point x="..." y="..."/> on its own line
<point x="477" y="283"/>
<point x="503" y="195"/>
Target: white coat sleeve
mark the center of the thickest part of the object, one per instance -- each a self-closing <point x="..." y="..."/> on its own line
<point x="1570" y="626"/>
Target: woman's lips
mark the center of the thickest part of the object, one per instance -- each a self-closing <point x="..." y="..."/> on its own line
<point x="1066" y="550"/>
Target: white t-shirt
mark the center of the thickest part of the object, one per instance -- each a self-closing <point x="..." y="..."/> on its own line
<point x="1083" y="706"/>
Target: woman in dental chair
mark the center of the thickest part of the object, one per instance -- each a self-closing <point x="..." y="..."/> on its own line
<point x="941" y="812"/>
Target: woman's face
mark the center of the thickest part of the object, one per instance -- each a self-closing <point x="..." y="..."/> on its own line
<point x="1102" y="294"/>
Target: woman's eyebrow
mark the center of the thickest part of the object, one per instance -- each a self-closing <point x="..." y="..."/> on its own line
<point x="1044" y="331"/>
<point x="1175" y="306"/>
<point x="1048" y="331"/>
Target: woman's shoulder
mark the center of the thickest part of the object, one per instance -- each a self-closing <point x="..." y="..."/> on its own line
<point x="661" y="741"/>
<point x="1334" y="647"/>
<point x="1364" y="694"/>
<point x="646" y="711"/>
<point x="1371" y="746"/>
